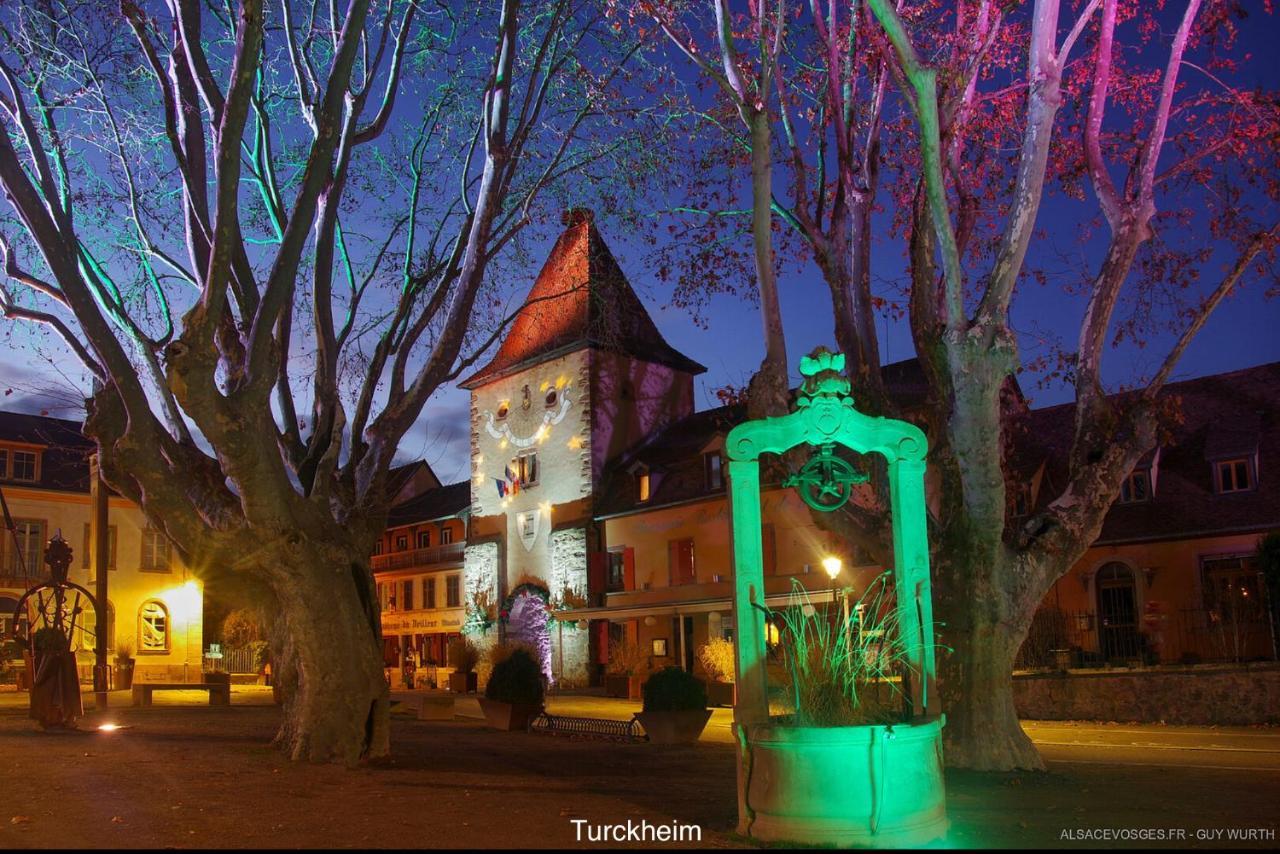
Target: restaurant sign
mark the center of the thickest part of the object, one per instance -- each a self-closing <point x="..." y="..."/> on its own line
<point x="422" y="621"/>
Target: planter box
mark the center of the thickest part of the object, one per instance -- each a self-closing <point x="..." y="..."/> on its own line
<point x="508" y="717"/>
<point x="623" y="687"/>
<point x="124" y="676"/>
<point x="463" y="683"/>
<point x="721" y="693"/>
<point x="674" y="727"/>
<point x="862" y="786"/>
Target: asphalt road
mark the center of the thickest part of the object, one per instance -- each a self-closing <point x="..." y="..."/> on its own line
<point x="1060" y="742"/>
<point x="1224" y="748"/>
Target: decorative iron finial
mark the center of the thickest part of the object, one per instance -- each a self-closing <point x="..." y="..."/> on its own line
<point x="58" y="555"/>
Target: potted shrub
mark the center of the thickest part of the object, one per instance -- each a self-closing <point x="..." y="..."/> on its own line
<point x="716" y="658"/>
<point x="675" y="707"/>
<point x="463" y="658"/>
<point x="625" y="671"/>
<point x="514" y="693"/>
<point x="846" y="766"/>
<point x="124" y="664"/>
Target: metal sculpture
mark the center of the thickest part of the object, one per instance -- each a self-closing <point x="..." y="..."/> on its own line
<point x="52" y="612"/>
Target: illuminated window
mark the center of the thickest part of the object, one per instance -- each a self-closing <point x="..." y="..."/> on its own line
<point x="642" y="486"/>
<point x="153" y="627"/>
<point x="156" y="552"/>
<point x="526" y="469"/>
<point x="87" y="552"/>
<point x="24" y="550"/>
<point x="1136" y="487"/>
<point x="89" y="625"/>
<point x="1234" y="476"/>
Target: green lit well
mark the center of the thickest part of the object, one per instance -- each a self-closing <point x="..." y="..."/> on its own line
<point x="876" y="785"/>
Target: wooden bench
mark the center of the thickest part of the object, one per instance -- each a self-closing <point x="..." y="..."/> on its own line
<point x="219" y="694"/>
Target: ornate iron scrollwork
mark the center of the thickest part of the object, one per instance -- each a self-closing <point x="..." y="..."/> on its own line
<point x="826" y="481"/>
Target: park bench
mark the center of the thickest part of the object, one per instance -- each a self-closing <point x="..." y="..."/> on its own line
<point x="219" y="693"/>
<point x="599" y="728"/>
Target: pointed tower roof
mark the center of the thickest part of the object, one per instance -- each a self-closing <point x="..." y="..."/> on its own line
<point x="580" y="299"/>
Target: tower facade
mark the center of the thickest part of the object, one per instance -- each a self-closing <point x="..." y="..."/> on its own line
<point x="582" y="375"/>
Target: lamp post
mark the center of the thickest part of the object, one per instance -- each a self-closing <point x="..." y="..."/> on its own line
<point x="833" y="565"/>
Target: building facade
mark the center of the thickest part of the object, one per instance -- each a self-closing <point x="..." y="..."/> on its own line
<point x="597" y="498"/>
<point x="154" y="603"/>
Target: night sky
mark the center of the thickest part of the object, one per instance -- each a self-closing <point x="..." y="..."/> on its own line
<point x="1241" y="333"/>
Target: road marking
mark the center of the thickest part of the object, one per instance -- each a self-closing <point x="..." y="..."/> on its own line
<point x="1113" y="764"/>
<point x="1152" y="746"/>
<point x="1161" y="731"/>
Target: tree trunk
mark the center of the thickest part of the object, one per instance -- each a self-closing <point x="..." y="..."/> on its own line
<point x="336" y="704"/>
<point x="976" y="674"/>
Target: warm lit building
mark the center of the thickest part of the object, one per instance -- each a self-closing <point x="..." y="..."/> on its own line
<point x="1173" y="576"/>
<point x="418" y="568"/>
<point x="597" y="493"/>
<point x="153" y="601"/>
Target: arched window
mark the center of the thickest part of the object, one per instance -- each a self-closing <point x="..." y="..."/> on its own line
<point x="88" y="622"/>
<point x="153" y="627"/>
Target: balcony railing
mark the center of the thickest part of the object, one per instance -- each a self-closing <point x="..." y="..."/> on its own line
<point x="415" y="558"/>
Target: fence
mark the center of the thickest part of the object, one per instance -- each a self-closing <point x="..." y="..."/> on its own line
<point x="240" y="660"/>
<point x="1061" y="639"/>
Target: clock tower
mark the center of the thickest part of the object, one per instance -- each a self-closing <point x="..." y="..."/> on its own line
<point x="581" y="376"/>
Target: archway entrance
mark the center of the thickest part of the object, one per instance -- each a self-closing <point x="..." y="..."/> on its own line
<point x="527" y="618"/>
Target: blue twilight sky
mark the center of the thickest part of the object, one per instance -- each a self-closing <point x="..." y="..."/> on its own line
<point x="1241" y="333"/>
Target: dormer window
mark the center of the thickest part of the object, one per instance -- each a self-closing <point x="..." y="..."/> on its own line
<point x="1136" y="487"/>
<point x="642" y="485"/>
<point x="1234" y="475"/>
<point x="713" y="465"/>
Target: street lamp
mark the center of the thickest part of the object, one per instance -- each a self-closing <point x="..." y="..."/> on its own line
<point x="833" y="565"/>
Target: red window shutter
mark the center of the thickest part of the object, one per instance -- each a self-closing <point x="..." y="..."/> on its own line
<point x="629" y="569"/>
<point x="597" y="567"/>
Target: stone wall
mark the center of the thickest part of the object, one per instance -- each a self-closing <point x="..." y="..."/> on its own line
<point x="1237" y="695"/>
<point x="570" y="647"/>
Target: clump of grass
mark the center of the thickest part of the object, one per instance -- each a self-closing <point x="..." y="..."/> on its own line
<point x="842" y="672"/>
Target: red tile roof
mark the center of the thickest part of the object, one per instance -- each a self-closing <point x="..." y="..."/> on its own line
<point x="580" y="299"/>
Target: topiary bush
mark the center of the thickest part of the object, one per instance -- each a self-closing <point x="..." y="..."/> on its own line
<point x="517" y="679"/>
<point x="673" y="690"/>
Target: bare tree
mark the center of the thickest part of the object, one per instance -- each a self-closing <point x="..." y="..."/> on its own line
<point x="265" y="229"/>
<point x="1203" y="151"/>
